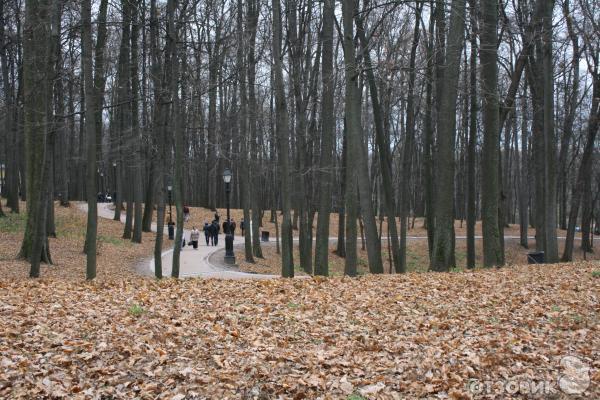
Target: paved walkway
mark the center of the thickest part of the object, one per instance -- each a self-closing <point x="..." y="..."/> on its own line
<point x="192" y="263"/>
<point x="196" y="263"/>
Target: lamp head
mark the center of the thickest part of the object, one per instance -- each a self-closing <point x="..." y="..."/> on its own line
<point x="227" y="175"/>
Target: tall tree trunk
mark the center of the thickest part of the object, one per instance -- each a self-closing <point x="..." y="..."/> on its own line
<point x="177" y="115"/>
<point x="10" y="186"/>
<point x="90" y="129"/>
<point x="327" y="141"/>
<point x="428" y="142"/>
<point x="383" y="146"/>
<point x="159" y="82"/>
<point x="36" y="97"/>
<point x="524" y="176"/>
<point x="352" y="132"/>
<point x="242" y="132"/>
<point x="584" y="174"/>
<point x="254" y="182"/>
<point x="357" y="146"/>
<point x="443" y="243"/>
<point x="407" y="159"/>
<point x="551" y="245"/>
<point x="341" y="244"/>
<point x="471" y="182"/>
<point x="135" y="124"/>
<point x="287" y="265"/>
<point x="490" y="186"/>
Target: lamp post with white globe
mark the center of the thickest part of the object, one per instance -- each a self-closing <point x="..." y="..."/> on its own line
<point x="229" y="255"/>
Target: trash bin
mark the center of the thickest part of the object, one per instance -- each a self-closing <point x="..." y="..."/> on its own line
<point x="535" y="257"/>
<point x="171" y="229"/>
<point x="264" y="236"/>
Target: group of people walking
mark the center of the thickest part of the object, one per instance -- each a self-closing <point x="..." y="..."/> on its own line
<point x="212" y="230"/>
<point x="211" y="233"/>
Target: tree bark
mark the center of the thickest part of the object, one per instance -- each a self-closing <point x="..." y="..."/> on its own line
<point x="471" y="147"/>
<point x="287" y="265"/>
<point x="584" y="174"/>
<point x="36" y="97"/>
<point x="492" y="248"/>
<point x="383" y="146"/>
<point x="135" y="123"/>
<point x="443" y="257"/>
<point x="90" y="129"/>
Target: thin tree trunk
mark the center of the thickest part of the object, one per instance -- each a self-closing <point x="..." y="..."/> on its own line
<point x="242" y="132"/>
<point x="471" y="182"/>
<point x="429" y="220"/>
<point x="383" y="146"/>
<point x="90" y="128"/>
<point x="352" y="132"/>
<point x="524" y="176"/>
<point x="408" y="150"/>
<point x="551" y="245"/>
<point x="135" y="124"/>
<point x="341" y="244"/>
<point x="584" y="174"/>
<point x="327" y="141"/>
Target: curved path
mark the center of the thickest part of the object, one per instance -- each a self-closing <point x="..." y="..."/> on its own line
<point x="193" y="263"/>
<point x="196" y="263"/>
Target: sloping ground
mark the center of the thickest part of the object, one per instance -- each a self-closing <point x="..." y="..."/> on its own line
<point x="117" y="257"/>
<point x="417" y="335"/>
<point x="417" y="256"/>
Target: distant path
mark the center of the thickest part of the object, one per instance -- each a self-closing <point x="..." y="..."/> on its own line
<point x="192" y="263"/>
<point x="196" y="263"/>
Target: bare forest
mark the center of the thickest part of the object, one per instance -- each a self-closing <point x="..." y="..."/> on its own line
<point x="370" y="111"/>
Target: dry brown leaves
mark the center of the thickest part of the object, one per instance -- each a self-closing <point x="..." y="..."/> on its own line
<point x="417" y="335"/>
<point x="117" y="257"/>
<point x="417" y="257"/>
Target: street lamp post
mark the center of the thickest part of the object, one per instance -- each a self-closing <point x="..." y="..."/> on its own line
<point x="102" y="189"/>
<point x="229" y="255"/>
<point x="170" y="224"/>
<point x="114" y="194"/>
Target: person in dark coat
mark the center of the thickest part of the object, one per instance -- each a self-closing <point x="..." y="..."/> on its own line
<point x="242" y="226"/>
<point x="213" y="233"/>
<point x="216" y="229"/>
<point x="225" y="227"/>
<point x="232" y="227"/>
<point x="206" y="230"/>
<point x="217" y="217"/>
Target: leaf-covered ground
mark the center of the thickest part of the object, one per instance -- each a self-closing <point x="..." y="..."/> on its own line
<point x="421" y="335"/>
<point x="116" y="257"/>
<point x="417" y="335"/>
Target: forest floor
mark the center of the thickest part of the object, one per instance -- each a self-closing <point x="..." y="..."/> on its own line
<point x="498" y="333"/>
<point x="417" y="256"/>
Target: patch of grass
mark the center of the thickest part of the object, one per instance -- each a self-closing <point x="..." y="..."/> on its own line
<point x="455" y="269"/>
<point x="355" y="396"/>
<point x="293" y="305"/>
<point x="13" y="223"/>
<point x="111" y="240"/>
<point x="577" y="318"/>
<point x="555" y="308"/>
<point x="596" y="274"/>
<point x="136" y="310"/>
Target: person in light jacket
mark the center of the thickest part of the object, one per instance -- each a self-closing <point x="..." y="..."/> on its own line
<point x="194" y="237"/>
